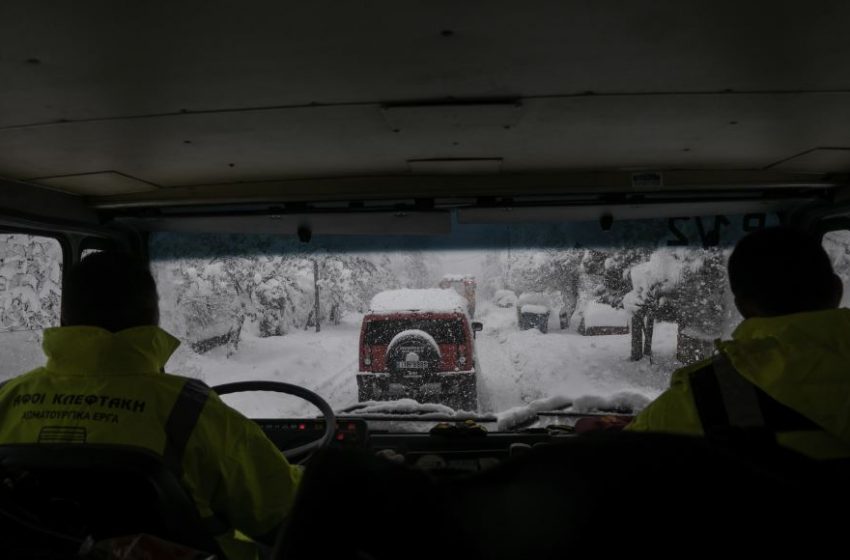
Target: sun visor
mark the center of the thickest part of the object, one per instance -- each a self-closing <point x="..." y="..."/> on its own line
<point x="533" y="214"/>
<point x="365" y="223"/>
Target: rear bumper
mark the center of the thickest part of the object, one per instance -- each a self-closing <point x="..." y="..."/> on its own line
<point x="388" y="386"/>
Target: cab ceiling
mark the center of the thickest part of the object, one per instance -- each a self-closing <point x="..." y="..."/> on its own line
<point x="145" y="102"/>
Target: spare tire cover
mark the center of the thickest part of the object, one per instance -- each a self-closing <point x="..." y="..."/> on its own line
<point x="412" y="352"/>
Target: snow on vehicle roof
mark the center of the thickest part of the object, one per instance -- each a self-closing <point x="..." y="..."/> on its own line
<point x="598" y="314"/>
<point x="535" y="309"/>
<point x="433" y="300"/>
<point x="536" y="298"/>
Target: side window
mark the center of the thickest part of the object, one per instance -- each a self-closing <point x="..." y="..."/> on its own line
<point x="87" y="252"/>
<point x="837" y="245"/>
<point x="30" y="297"/>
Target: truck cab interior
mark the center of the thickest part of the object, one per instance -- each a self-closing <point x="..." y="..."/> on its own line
<point x="327" y="151"/>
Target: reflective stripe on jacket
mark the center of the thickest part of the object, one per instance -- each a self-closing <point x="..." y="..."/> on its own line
<point x="110" y="388"/>
<point x="801" y="362"/>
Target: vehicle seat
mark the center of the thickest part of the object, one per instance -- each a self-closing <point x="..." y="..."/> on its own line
<point x="92" y="490"/>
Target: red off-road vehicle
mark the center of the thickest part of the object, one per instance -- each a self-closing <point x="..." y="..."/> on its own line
<point x="419" y="344"/>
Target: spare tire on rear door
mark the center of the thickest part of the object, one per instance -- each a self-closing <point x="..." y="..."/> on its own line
<point x="413" y="352"/>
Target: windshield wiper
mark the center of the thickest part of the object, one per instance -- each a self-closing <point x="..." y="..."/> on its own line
<point x="387" y="412"/>
<point x="406" y="413"/>
<point x="616" y="412"/>
<point x="426" y="417"/>
<point x="529" y="416"/>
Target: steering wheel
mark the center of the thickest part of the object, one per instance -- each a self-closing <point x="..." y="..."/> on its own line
<point x="289" y="389"/>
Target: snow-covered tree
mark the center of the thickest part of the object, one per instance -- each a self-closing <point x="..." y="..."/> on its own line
<point x="684" y="285"/>
<point x="413" y="272"/>
<point x="702" y="304"/>
<point x="494" y="274"/>
<point x="210" y="284"/>
<point x="30" y="282"/>
<point x="347" y="282"/>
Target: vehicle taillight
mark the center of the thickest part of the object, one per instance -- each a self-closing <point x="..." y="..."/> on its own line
<point x="367" y="359"/>
<point x="462" y="360"/>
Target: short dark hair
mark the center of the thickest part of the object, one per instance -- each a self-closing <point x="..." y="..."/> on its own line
<point x="781" y="271"/>
<point x="111" y="290"/>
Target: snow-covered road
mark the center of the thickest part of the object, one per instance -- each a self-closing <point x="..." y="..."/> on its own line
<point x="324" y="362"/>
<point x="517" y="367"/>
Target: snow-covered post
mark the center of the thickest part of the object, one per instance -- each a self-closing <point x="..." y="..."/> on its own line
<point x="637" y="337"/>
<point x="643" y="325"/>
<point x="648" y="328"/>
<point x="570" y="294"/>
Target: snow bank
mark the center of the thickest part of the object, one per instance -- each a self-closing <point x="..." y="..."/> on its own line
<point x="497" y="321"/>
<point x="535" y="309"/>
<point x="598" y="314"/>
<point x="324" y="362"/>
<point x="435" y="300"/>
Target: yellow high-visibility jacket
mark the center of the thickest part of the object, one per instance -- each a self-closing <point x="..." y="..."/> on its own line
<point x="100" y="387"/>
<point x="801" y="361"/>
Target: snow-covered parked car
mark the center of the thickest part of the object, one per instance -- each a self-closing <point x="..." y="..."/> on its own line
<point x="597" y="318"/>
<point x="419" y="344"/>
<point x="533" y="310"/>
<point x="505" y="298"/>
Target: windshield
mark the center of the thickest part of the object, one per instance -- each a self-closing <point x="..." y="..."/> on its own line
<point x="574" y="317"/>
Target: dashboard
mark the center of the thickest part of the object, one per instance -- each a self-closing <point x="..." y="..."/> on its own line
<point x="448" y="447"/>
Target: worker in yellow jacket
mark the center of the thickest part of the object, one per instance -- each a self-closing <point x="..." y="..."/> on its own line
<point x="104" y="383"/>
<point x="785" y="371"/>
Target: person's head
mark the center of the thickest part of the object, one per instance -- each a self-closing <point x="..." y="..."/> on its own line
<point x="780" y="271"/>
<point x="111" y="290"/>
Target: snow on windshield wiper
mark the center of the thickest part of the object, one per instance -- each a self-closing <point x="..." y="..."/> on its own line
<point x="519" y="417"/>
<point x="625" y="404"/>
<point x="410" y="410"/>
